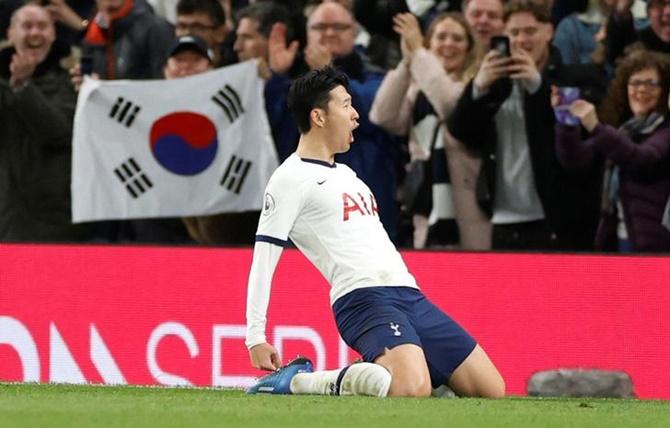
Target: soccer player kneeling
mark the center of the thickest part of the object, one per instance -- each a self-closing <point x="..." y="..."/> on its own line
<point x="408" y="344"/>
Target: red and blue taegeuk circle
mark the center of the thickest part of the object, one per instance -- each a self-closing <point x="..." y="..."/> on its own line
<point x="184" y="143"/>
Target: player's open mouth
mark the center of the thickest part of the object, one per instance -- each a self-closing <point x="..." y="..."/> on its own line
<point x="351" y="134"/>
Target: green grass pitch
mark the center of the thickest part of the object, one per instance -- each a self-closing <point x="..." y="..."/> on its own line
<point x="96" y="406"/>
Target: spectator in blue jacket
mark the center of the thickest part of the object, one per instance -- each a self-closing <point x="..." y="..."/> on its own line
<point x="331" y="32"/>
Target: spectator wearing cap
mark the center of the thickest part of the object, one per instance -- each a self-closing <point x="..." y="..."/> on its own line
<point x="190" y="55"/>
<point x="187" y="55"/>
<point x="36" y="110"/>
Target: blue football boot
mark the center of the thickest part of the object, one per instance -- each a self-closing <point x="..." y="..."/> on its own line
<point x="279" y="381"/>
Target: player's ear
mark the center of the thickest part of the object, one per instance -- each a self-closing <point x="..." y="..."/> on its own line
<point x="317" y="116"/>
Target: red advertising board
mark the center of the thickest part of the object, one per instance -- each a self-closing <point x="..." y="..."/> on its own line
<point x="175" y="316"/>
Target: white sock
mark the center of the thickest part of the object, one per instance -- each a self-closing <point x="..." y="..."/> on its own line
<point x="366" y="379"/>
<point x="358" y="379"/>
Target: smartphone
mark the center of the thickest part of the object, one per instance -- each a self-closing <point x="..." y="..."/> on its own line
<point x="86" y="65"/>
<point x="567" y="95"/>
<point x="500" y="44"/>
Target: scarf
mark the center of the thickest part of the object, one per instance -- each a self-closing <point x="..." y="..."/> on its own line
<point x="637" y="128"/>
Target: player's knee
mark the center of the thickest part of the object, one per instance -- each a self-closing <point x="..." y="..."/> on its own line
<point x="495" y="389"/>
<point x="404" y="387"/>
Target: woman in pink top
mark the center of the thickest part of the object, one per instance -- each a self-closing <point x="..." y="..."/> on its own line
<point x="414" y="99"/>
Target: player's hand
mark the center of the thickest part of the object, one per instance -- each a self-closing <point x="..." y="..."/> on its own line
<point x="586" y="113"/>
<point x="280" y="56"/>
<point x="264" y="357"/>
<point x="493" y="67"/>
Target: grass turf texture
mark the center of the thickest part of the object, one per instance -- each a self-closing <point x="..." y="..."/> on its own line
<point x="73" y="406"/>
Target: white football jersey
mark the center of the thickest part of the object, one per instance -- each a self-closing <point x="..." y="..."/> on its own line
<point x="332" y="217"/>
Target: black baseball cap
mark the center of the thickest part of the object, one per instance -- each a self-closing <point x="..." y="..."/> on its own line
<point x="190" y="42"/>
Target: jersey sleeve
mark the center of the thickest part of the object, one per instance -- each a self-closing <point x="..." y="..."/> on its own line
<point x="282" y="203"/>
<point x="281" y="206"/>
<point x="265" y="259"/>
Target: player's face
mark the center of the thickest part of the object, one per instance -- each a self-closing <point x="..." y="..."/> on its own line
<point x="341" y="120"/>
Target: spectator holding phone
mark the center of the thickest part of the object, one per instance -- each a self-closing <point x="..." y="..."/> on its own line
<point x="634" y="142"/>
<point x="414" y="99"/>
<point x="503" y="115"/>
<point x="36" y="110"/>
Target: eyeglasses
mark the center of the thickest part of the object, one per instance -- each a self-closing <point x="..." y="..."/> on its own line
<point x="647" y="83"/>
<point x="338" y="27"/>
<point x="194" y="27"/>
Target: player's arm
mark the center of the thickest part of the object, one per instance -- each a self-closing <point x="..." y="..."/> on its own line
<point x="280" y="210"/>
<point x="266" y="256"/>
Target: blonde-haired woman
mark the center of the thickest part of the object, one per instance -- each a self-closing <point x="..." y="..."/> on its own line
<point x="414" y="99"/>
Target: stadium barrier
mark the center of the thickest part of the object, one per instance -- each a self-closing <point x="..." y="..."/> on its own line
<point x="175" y="316"/>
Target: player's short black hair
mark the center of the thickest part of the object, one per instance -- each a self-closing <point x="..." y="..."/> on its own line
<point x="312" y="90"/>
<point x="266" y="14"/>
<point x="211" y="8"/>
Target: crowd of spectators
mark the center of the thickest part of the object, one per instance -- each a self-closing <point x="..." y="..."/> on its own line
<point x="484" y="124"/>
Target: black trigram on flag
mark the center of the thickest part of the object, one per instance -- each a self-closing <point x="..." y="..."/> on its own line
<point x="229" y="101"/>
<point x="124" y="111"/>
<point x="133" y="178"/>
<point x="236" y="172"/>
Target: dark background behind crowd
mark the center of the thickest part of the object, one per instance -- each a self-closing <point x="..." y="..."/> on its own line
<point x="555" y="137"/>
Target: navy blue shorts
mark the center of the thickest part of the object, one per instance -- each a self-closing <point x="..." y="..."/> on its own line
<point x="372" y="319"/>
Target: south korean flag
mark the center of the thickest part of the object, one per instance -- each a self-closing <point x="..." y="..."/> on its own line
<point x="184" y="147"/>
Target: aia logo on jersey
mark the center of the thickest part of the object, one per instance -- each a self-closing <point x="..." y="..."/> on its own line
<point x="358" y="204"/>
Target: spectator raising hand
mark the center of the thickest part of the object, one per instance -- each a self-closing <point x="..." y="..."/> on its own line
<point x="407" y="26"/>
<point x="280" y="54"/>
<point x="61" y="12"/>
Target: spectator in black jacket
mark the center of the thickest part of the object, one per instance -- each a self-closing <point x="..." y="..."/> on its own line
<point x="36" y="109"/>
<point x="505" y="116"/>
